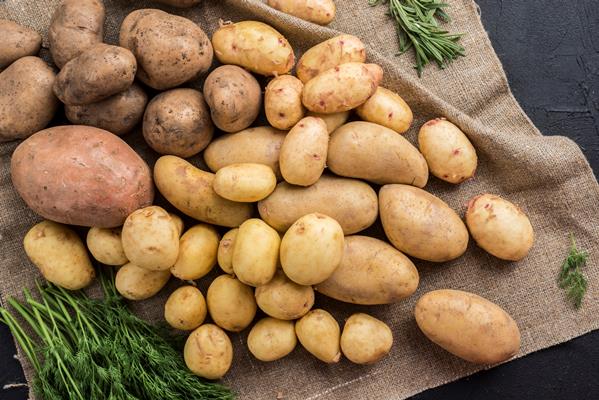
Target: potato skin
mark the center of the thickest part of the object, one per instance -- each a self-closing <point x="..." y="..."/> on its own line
<point x="106" y="246"/>
<point x="245" y="182"/>
<point x="136" y="283"/>
<point x="319" y="333"/>
<point x="208" y="352"/>
<point x="185" y="308"/>
<point x="271" y="339"/>
<point x="256" y="252"/>
<point x="365" y="339"/>
<point x="420" y="224"/>
<point x="499" y="227"/>
<point x="468" y="326"/>
<point x="59" y="254"/>
<point x="333" y="121"/>
<point x="388" y="109"/>
<point x="17" y="41"/>
<point x="321" y="12"/>
<point x="178" y="222"/>
<point x="91" y="177"/>
<point x="283" y="101"/>
<point x="231" y="304"/>
<point x="197" y="252"/>
<point x="284" y="299"/>
<point x="225" y="250"/>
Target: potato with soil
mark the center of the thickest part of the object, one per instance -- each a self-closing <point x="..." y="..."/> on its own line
<point x="225" y="251"/>
<point x="318" y="11"/>
<point x="365" y="339"/>
<point x="208" y="352"/>
<point x="283" y="101"/>
<point x="197" y="252"/>
<point x="388" y="109"/>
<point x="17" y="41"/>
<point x="136" y="283"/>
<point x="271" y="339"/>
<point x="319" y="334"/>
<point x="284" y="299"/>
<point x="333" y="121"/>
<point x="185" y="308"/>
<point x="256" y="252"/>
<point x="245" y="182"/>
<point x="106" y="246"/>
<point x="231" y="304"/>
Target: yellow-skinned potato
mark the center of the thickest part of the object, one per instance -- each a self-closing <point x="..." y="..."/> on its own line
<point x="365" y="339"/>
<point x="136" y="283"/>
<point x="283" y="101"/>
<point x="319" y="333"/>
<point x="282" y="298"/>
<point x="468" y="326"/>
<point x="271" y="339"/>
<point x="255" y="46"/>
<point x="231" y="304"/>
<point x="197" y="252"/>
<point x="225" y="250"/>
<point x="245" y="182"/>
<point x="371" y="272"/>
<point x="333" y="121"/>
<point x="387" y="108"/>
<point x="499" y="227"/>
<point x="208" y="352"/>
<point x="106" y="246"/>
<point x="256" y="252"/>
<point x="318" y="11"/>
<point x="185" y="308"/>
<point x="59" y="254"/>
<point x="178" y="222"/>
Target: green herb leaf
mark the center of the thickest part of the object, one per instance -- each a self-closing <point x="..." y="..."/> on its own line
<point x="571" y="277"/>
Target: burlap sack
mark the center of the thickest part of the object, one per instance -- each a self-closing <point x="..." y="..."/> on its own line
<point x="547" y="176"/>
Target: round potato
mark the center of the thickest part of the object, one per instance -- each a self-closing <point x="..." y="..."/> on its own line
<point x="256" y="252"/>
<point x="197" y="252"/>
<point x="388" y="109"/>
<point x="468" y="326"/>
<point x="59" y="254"/>
<point x="245" y="182"/>
<point x="185" y="308"/>
<point x="499" y="227"/>
<point x="106" y="246"/>
<point x="208" y="352"/>
<point x="271" y="339"/>
<point x="180" y="3"/>
<point x="225" y="251"/>
<point x="136" y="283"/>
<point x="282" y="298"/>
<point x="283" y="101"/>
<point x="231" y="304"/>
<point x="17" y="41"/>
<point x="318" y="11"/>
<point x="319" y="333"/>
<point x="365" y="339"/>
<point x="333" y="121"/>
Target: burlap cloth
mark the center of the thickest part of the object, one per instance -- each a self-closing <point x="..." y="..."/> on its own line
<point x="547" y="176"/>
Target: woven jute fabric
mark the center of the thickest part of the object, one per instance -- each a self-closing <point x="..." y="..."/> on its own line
<point x="547" y="176"/>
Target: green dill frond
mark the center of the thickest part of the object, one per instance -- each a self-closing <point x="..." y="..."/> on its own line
<point x="571" y="277"/>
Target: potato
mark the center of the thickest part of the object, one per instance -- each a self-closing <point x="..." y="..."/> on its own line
<point x="180" y="3"/>
<point x="136" y="283"/>
<point x="318" y="11"/>
<point x="271" y="339"/>
<point x="234" y="97"/>
<point x="420" y="224"/>
<point x="225" y="250"/>
<point x="304" y="152"/>
<point x="80" y="175"/>
<point x="59" y="254"/>
<point x="499" y="227"/>
<point x="282" y="298"/>
<point x="231" y="304"/>
<point x="255" y="46"/>
<point x="365" y="339"/>
<point x="371" y="272"/>
<point x="388" y="109"/>
<point x="178" y="222"/>
<point x="256" y="252"/>
<point x="185" y="308"/>
<point x="333" y="121"/>
<point x="178" y="122"/>
<point x="76" y="26"/>
<point x="106" y="246"/>
<point x="329" y="54"/>
<point x="283" y="101"/>
<point x="17" y="41"/>
<point x="245" y="182"/>
<point x="350" y="202"/>
<point x="208" y="352"/>
<point x="468" y="326"/>
<point x="189" y="189"/>
<point x="170" y="49"/>
<point x="151" y="239"/>
<point x="377" y="154"/>
<point x="448" y="152"/>
<point x="311" y="249"/>
<point x="319" y="333"/>
<point x="27" y="101"/>
<point x="118" y="114"/>
<point x="197" y="252"/>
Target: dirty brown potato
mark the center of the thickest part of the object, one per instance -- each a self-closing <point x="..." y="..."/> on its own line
<point x="365" y="339"/>
<point x="321" y="12"/>
<point x="256" y="252"/>
<point x="231" y="304"/>
<point x="185" y="308"/>
<point x="283" y="101"/>
<point x="106" y="246"/>
<point x="180" y="3"/>
<point x="319" y="334"/>
<point x="136" y="283"/>
<point x="333" y="121"/>
<point x="197" y="252"/>
<point x="208" y="352"/>
<point x="284" y="299"/>
<point x="225" y="250"/>
<point x="387" y="108"/>
<point x="271" y="339"/>
<point x="17" y="41"/>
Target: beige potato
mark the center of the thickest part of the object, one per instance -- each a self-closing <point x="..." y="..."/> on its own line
<point x="283" y="101"/>
<point x="59" y="254"/>
<point x="17" y="41"/>
<point x="136" y="283"/>
<point x="271" y="339"/>
<point x="499" y="227"/>
<point x="388" y="109"/>
<point x="185" y="308"/>
<point x="468" y="326"/>
<point x="178" y="222"/>
<point x="420" y="224"/>
<point x="225" y="251"/>
<point x="197" y="252"/>
<point x="284" y="299"/>
<point x="245" y="182"/>
<point x="333" y="121"/>
<point x="256" y="252"/>
<point x="106" y="246"/>
<point x="208" y="352"/>
<point x="318" y="11"/>
<point x="231" y="304"/>
<point x="319" y="333"/>
<point x="365" y="339"/>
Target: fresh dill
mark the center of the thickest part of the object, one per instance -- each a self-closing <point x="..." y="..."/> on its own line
<point x="571" y="277"/>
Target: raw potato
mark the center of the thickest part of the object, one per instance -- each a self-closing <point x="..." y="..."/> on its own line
<point x="448" y="152"/>
<point x="255" y="46"/>
<point x="377" y="154"/>
<point x="365" y="339"/>
<point x="225" y="250"/>
<point x="319" y="333"/>
<point x="180" y="3"/>
<point x="245" y="182"/>
<point x="136" y="283"/>
<point x="283" y="101"/>
<point x="304" y="152"/>
<point x="178" y="222"/>
<point x="499" y="227"/>
<point x="231" y="304"/>
<point x="468" y="326"/>
<point x="271" y="339"/>
<point x="333" y="121"/>
<point x="311" y="249"/>
<point x="178" y="122"/>
<point x="189" y="189"/>
<point x="341" y="88"/>
<point x="371" y="272"/>
<point x="421" y="224"/>
<point x="185" y="308"/>
<point x="318" y="11"/>
<point x="256" y="252"/>
<point x="208" y="352"/>
<point x="284" y="299"/>
<point x="197" y="252"/>
<point x="234" y="97"/>
<point x="59" y="254"/>
<point x="329" y="54"/>
<point x="106" y="246"/>
<point x="17" y="41"/>
<point x="387" y="108"/>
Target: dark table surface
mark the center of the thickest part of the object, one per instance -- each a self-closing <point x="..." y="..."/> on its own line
<point x="550" y="51"/>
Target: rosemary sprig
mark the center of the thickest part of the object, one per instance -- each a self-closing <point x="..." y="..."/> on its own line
<point x="571" y="277"/>
<point x="417" y="27"/>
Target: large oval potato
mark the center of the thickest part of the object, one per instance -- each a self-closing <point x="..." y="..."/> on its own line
<point x="136" y="283"/>
<point x="208" y="352"/>
<point x="271" y="339"/>
<point x="256" y="252"/>
<point x="197" y="252"/>
<point x="468" y="326"/>
<point x="189" y="189"/>
<point x="283" y="101"/>
<point x="245" y="182"/>
<point x="319" y="333"/>
<point x="225" y="251"/>
<point x="377" y="154"/>
<point x="499" y="227"/>
<point x="231" y="304"/>
<point x="388" y="109"/>
<point x="282" y="298"/>
<point x="318" y="11"/>
<point x="421" y="224"/>
<point x="17" y="41"/>
<point x="185" y="308"/>
<point x="371" y="272"/>
<point x="80" y="175"/>
<point x="106" y="246"/>
<point x="365" y="339"/>
<point x="333" y="121"/>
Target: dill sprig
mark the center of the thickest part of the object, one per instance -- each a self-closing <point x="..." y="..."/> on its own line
<point x="571" y="277"/>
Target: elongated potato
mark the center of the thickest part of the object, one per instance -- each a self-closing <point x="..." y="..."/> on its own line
<point x="225" y="251"/>
<point x="197" y="252"/>
<point x="499" y="227"/>
<point x="17" y="41"/>
<point x="136" y="283"/>
<point x="319" y="333"/>
<point x="185" y="308"/>
<point x="189" y="189"/>
<point x="387" y="108"/>
<point x="333" y="121"/>
<point x="283" y="101"/>
<point x="318" y="11"/>
<point x="106" y="246"/>
<point x="421" y="224"/>
<point x="231" y="304"/>
<point x="468" y="326"/>
<point x="282" y="298"/>
<point x="271" y="339"/>
<point x="244" y="182"/>
<point x="256" y="252"/>
<point x="365" y="339"/>
<point x="255" y="46"/>
<point x="208" y="352"/>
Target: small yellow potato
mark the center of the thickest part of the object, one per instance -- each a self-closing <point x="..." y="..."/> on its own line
<point x="283" y="101"/>
<point x="318" y="11"/>
<point x="208" y="352"/>
<point x="244" y="182"/>
<point x="319" y="333"/>
<point x="271" y="339"/>
<point x="136" y="283"/>
<point x="185" y="308"/>
<point x="106" y="246"/>
<point x="197" y="252"/>
<point x="178" y="222"/>
<point x="365" y="339"/>
<point x="59" y="254"/>
<point x="225" y="251"/>
<point x="448" y="152"/>
<point x="231" y="304"/>
<point x="180" y="3"/>
<point x="282" y="298"/>
<point x="468" y="326"/>
<point x="333" y="121"/>
<point x="499" y="227"/>
<point x="387" y="108"/>
<point x="256" y="252"/>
